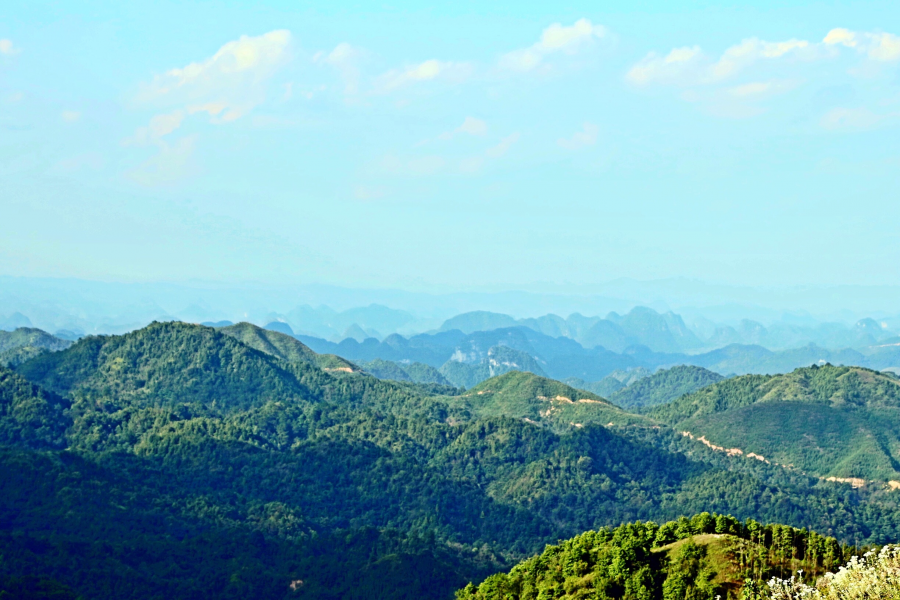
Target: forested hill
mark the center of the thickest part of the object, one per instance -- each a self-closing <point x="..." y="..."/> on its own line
<point x="540" y="400"/>
<point x="664" y="386"/>
<point x="25" y="343"/>
<point x="708" y="556"/>
<point x="841" y="422"/>
<point x="285" y="347"/>
<point x="178" y="462"/>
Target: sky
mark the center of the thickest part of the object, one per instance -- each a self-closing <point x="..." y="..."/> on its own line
<point x="451" y="146"/>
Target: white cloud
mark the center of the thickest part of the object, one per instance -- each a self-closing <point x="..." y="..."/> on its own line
<point x="760" y="89"/>
<point x="581" y="139"/>
<point x="555" y="38"/>
<point x="756" y="88"/>
<point x="855" y="119"/>
<point x="7" y="48"/>
<point x="470" y="126"/>
<point x="503" y="147"/>
<point x="669" y="68"/>
<point x="740" y="56"/>
<point x="474" y="164"/>
<point x="70" y="116"/>
<point x="426" y="71"/>
<point x="689" y="66"/>
<point x="159" y="127"/>
<point x="879" y="46"/>
<point x="418" y="166"/>
<point x="345" y="59"/>
<point x="227" y="85"/>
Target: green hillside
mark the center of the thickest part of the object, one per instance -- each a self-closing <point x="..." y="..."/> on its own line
<point x="422" y="373"/>
<point x="664" y="386"/>
<point x="708" y="556"/>
<point x="415" y="372"/>
<point x="193" y="466"/>
<point x="285" y="347"/>
<point x="166" y="364"/>
<point x="29" y="416"/>
<point x="271" y="342"/>
<point x="841" y="422"/>
<point x="385" y="369"/>
<point x="25" y="343"/>
<point x="542" y="401"/>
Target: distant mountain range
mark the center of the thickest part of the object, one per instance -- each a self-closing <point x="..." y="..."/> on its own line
<point x="465" y="359"/>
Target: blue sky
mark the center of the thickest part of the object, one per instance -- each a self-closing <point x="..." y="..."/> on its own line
<point x="454" y="146"/>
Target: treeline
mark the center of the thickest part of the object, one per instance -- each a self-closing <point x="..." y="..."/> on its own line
<point x="649" y="561"/>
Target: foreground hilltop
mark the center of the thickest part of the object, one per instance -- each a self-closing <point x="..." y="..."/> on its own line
<point x="189" y="462"/>
<point x="705" y="557"/>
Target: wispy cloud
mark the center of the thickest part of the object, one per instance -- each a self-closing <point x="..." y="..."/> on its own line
<point x="857" y="119"/>
<point x="878" y="46"/>
<point x="7" y="48"/>
<point x="429" y="70"/>
<point x="688" y="65"/>
<point x="418" y="166"/>
<point x="470" y="126"/>
<point x="346" y="60"/>
<point x="70" y="116"/>
<point x="587" y="136"/>
<point x="474" y="164"/>
<point x="503" y="147"/>
<point x="555" y="38"/>
<point x="225" y="87"/>
<point x="665" y="69"/>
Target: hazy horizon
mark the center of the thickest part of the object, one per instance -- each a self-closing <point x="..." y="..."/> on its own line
<point x="412" y="147"/>
<point x="109" y="306"/>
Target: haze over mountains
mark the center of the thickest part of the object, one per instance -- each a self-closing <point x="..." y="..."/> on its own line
<point x="328" y="311"/>
<point x="471" y="347"/>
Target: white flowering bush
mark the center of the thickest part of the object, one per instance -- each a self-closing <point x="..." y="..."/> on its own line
<point x="870" y="577"/>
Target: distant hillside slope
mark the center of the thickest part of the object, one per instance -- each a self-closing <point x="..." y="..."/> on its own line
<point x="542" y="401"/>
<point x="610" y="384"/>
<point x="480" y="320"/>
<point x="499" y="360"/>
<point x="385" y="369"/>
<point x="664" y="386"/>
<point x="25" y="343"/>
<point x="285" y="347"/>
<point x="841" y="422"/>
<point x="414" y="372"/>
<point x="740" y="360"/>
